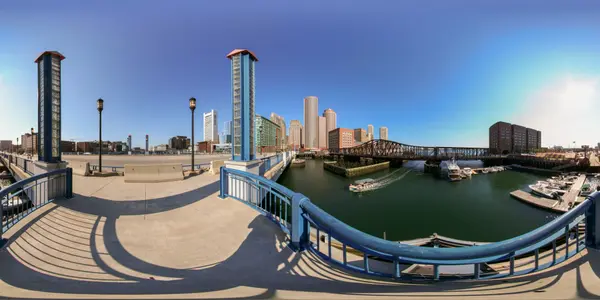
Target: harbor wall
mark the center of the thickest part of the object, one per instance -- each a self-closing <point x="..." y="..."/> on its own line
<point x="358" y="171"/>
<point x="534" y="170"/>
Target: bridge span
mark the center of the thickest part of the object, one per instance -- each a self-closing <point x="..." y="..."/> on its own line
<point x="386" y="149"/>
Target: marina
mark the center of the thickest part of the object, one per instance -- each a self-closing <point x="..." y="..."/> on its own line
<point x="549" y="195"/>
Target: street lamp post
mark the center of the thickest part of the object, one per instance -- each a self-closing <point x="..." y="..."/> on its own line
<point x="192" y="108"/>
<point x="100" y="104"/>
<point x="32" y="143"/>
<point x="17" y="145"/>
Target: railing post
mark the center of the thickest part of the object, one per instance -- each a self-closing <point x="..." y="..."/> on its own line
<point x="224" y="182"/>
<point x="2" y="241"/>
<point x="69" y="183"/>
<point x="300" y="232"/>
<point x="592" y="223"/>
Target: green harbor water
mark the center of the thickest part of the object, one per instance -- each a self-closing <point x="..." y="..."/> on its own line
<point x="417" y="205"/>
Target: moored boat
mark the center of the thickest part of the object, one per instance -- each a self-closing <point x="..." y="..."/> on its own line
<point x="454" y="173"/>
<point x="542" y="191"/>
<point x="468" y="172"/>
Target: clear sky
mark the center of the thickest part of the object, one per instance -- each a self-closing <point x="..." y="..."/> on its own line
<point x="433" y="72"/>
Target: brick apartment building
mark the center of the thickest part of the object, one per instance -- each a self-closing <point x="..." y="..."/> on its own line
<point x="505" y="138"/>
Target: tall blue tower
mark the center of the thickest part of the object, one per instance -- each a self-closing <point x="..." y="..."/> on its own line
<point x="49" y="108"/>
<point x="243" y="146"/>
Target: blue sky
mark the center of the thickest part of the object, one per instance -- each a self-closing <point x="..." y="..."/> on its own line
<point x="433" y="72"/>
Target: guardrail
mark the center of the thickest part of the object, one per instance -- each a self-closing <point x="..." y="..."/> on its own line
<point x="23" y="197"/>
<point x="27" y="165"/>
<point x="300" y="215"/>
<point x="269" y="162"/>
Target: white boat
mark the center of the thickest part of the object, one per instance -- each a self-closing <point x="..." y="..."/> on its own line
<point x="542" y="191"/>
<point x="485" y="170"/>
<point x="468" y="172"/>
<point x="453" y="171"/>
<point x="493" y="170"/>
<point x="500" y="168"/>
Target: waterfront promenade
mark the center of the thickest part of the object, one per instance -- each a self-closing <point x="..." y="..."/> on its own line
<point x="179" y="240"/>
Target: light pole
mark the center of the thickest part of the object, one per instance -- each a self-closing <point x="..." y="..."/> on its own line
<point x="260" y="129"/>
<point x="32" y="143"/>
<point x="17" y="145"/>
<point x="100" y="104"/>
<point x="192" y="108"/>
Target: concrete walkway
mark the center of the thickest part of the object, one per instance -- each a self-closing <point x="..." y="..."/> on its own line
<point x="179" y="240"/>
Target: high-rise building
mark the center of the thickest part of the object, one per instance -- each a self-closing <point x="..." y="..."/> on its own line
<point x="242" y="76"/>
<point x="295" y="138"/>
<point x="211" y="132"/>
<point x="49" y="106"/>
<point x="341" y="138"/>
<point x="267" y="135"/>
<point x="311" y="122"/>
<point x="129" y="143"/>
<point x="370" y="132"/>
<point x="505" y="138"/>
<point x="383" y="133"/>
<point x="331" y="120"/>
<point x="360" y="136"/>
<point x="279" y="120"/>
<point x="323" y="136"/>
<point x="147" y="140"/>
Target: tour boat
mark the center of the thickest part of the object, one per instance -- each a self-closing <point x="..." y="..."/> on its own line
<point x="468" y="172"/>
<point x="361" y="185"/>
<point x="453" y="171"/>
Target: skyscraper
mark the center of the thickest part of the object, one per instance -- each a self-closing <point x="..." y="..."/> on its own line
<point x="129" y="143"/>
<point x="322" y="133"/>
<point x="331" y="120"/>
<point x="242" y="86"/>
<point x="279" y="120"/>
<point x="211" y="132"/>
<point x="370" y="132"/>
<point x="360" y="136"/>
<point x="147" y="140"/>
<point x="383" y="133"/>
<point x="311" y="122"/>
<point x="295" y="138"/>
<point x="49" y="106"/>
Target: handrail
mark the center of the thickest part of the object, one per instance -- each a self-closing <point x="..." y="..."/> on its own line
<point x="437" y="254"/>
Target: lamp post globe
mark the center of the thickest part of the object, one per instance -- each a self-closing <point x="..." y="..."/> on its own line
<point x="192" y="108"/>
<point x="100" y="106"/>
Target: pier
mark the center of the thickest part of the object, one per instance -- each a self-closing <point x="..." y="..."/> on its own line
<point x="559" y="206"/>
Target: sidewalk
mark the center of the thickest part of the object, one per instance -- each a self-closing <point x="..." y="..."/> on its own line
<point x="179" y="240"/>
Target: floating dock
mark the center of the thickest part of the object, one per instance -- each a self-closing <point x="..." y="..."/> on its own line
<point x="567" y="200"/>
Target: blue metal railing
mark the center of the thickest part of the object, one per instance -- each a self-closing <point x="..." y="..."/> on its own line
<point x="117" y="168"/>
<point x="543" y="247"/>
<point x="25" y="196"/>
<point x="269" y="162"/>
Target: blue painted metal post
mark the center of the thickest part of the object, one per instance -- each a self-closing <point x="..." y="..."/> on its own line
<point x="300" y="231"/>
<point x="592" y="223"/>
<point x="69" y="183"/>
<point x="224" y="184"/>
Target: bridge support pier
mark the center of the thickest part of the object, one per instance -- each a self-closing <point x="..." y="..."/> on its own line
<point x="433" y="166"/>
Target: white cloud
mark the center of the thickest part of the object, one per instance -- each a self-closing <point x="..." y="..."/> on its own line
<point x="565" y="111"/>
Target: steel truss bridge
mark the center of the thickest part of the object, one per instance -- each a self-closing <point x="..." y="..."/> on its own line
<point x="385" y="149"/>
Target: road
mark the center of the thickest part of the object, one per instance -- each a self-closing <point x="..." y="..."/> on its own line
<point x="120" y="160"/>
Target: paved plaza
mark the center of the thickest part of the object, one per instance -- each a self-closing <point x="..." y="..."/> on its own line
<point x="179" y="240"/>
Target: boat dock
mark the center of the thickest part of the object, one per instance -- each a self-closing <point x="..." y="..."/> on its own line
<point x="562" y="206"/>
